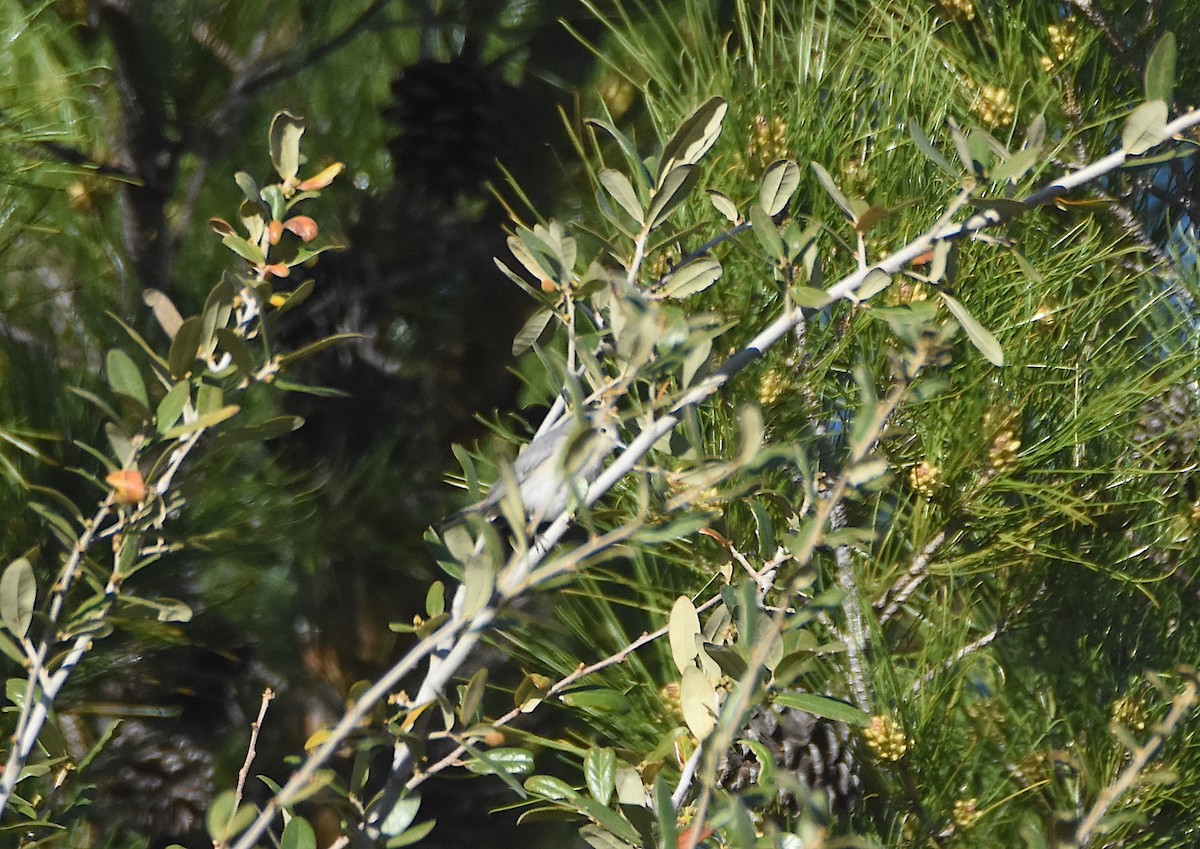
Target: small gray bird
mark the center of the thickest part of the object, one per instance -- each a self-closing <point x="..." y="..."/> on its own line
<point x="554" y="468"/>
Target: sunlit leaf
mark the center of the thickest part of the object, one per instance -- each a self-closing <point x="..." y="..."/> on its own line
<point x="690" y="278"/>
<point x="530" y="331"/>
<point x="980" y="337"/>
<point x="622" y="191"/>
<point x="1145" y="128"/>
<point x="285" y="134"/>
<point x="125" y="377"/>
<point x="18" y="592"/>
<point x="673" y="190"/>
<point x="697" y="133"/>
<point x="779" y="183"/>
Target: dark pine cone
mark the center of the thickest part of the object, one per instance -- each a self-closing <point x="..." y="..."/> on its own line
<point x="152" y="782"/>
<point x="453" y="125"/>
<point x="815" y="750"/>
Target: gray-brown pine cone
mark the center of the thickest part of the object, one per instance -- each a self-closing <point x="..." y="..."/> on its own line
<point x="815" y="750"/>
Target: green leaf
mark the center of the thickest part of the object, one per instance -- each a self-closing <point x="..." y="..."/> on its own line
<point x="697" y="133"/>
<point x="18" y="592"/>
<point x="779" y="183"/>
<point x="611" y="702"/>
<point x="637" y="167"/>
<point x="125" y="378"/>
<point x="530" y="331"/>
<point x="209" y="397"/>
<point x="698" y="702"/>
<point x="691" y="277"/>
<point x="170" y="408"/>
<point x="766" y="232"/>
<point x="298" y="834"/>
<point x="319" y="391"/>
<point x="875" y="282"/>
<point x="435" y="600"/>
<point x="865" y="472"/>
<point x="297" y="296"/>
<point x="621" y="190"/>
<point x="926" y="147"/>
<point x="11" y="650"/>
<point x="602" y="838"/>
<point x="479" y="583"/>
<point x="401" y="816"/>
<point x="810" y="298"/>
<point x="285" y="134"/>
<point x="1145" y="127"/>
<point x="185" y="347"/>
<point x="271" y="428"/>
<point x="320" y="780"/>
<point x="549" y="787"/>
<point x="961" y="147"/>
<point x="944" y="264"/>
<point x="1160" y="69"/>
<point x="978" y="334"/>
<point x="724" y="205"/>
<point x="169" y="609"/>
<point x="141" y="343"/>
<point x="1016" y="166"/>
<point x="205" y="421"/>
<point x="599" y="772"/>
<point x="823" y="706"/>
<point x="502" y="761"/>
<point x="609" y="819"/>
<point x="682" y="630"/>
<point x="235" y="346"/>
<point x="414" y="835"/>
<point x="248" y="186"/>
<point x="532" y="262"/>
<point x="318" y="346"/>
<point x="834" y="192"/>
<point x="1027" y="267"/>
<point x="664" y="814"/>
<point x="223" y="821"/>
<point x="278" y="206"/>
<point x="673" y="191"/>
<point x="472" y="697"/>
<point x="251" y="253"/>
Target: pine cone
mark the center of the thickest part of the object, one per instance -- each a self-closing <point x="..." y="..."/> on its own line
<point x="815" y="750"/>
<point x="152" y="782"/>
<point x="452" y="126"/>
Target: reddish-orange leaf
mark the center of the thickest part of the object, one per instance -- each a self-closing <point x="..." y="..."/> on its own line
<point x="302" y="226"/>
<point x="277" y="269"/>
<point x="274" y="231"/>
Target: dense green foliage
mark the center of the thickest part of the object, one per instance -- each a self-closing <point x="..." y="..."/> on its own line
<point x="909" y="563"/>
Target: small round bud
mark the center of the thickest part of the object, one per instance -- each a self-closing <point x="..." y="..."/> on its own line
<point x="885" y="738"/>
<point x="966" y="812"/>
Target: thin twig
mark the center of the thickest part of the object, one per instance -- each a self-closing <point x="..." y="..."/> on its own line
<point x="244" y="772"/>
